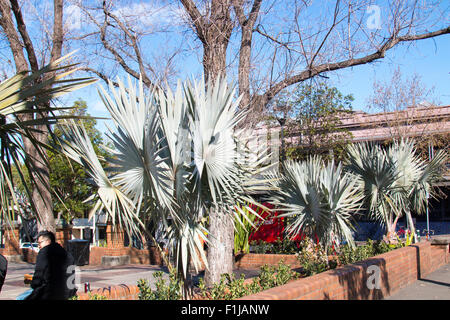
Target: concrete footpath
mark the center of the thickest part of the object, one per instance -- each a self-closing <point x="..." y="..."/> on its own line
<point x="435" y="286"/>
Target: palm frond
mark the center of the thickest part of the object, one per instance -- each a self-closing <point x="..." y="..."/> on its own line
<point x="320" y="199"/>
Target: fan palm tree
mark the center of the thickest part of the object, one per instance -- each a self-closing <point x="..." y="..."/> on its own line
<point x="394" y="181"/>
<point x="416" y="178"/>
<point x="319" y="199"/>
<point x="20" y="95"/>
<point x="175" y="161"/>
<point x="377" y="176"/>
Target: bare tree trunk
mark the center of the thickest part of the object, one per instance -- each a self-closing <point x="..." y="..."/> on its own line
<point x="41" y="199"/>
<point x="245" y="53"/>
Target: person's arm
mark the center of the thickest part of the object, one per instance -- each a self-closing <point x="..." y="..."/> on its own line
<point x="41" y="274"/>
<point x="3" y="269"/>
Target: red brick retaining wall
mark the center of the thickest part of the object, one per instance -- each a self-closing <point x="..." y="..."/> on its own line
<point x="397" y="269"/>
<point x="255" y="260"/>
<point x="136" y="256"/>
<point x="120" y="292"/>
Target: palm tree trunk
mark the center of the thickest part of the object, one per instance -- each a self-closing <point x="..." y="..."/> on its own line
<point x="220" y="248"/>
<point x="412" y="228"/>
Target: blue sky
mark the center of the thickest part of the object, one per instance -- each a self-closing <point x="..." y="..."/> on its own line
<point x="428" y="58"/>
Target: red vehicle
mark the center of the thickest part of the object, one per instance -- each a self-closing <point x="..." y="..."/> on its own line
<point x="272" y="228"/>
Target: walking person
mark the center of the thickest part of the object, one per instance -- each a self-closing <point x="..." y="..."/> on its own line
<point x="51" y="275"/>
<point x="3" y="269"/>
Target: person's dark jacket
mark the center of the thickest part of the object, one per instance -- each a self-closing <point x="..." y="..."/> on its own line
<point x="3" y="269"/>
<point x="51" y="276"/>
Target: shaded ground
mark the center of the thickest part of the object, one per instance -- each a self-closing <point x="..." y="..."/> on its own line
<point x="435" y="286"/>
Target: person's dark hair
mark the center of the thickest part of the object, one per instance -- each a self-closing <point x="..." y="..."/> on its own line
<point x="48" y="235"/>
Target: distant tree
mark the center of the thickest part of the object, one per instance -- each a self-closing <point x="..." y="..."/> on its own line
<point x="313" y="114"/>
<point x="68" y="179"/>
<point x="399" y="99"/>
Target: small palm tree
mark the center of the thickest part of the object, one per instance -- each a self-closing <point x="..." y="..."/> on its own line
<point x="318" y="198"/>
<point x="19" y="95"/>
<point x="175" y="160"/>
<point x="377" y="176"/>
<point x="394" y="181"/>
<point x="416" y="177"/>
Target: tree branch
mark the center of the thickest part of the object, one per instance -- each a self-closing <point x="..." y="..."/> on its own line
<point x="25" y="36"/>
<point x="326" y="67"/>
<point x="134" y="45"/>
<point x="8" y="27"/>
<point x="196" y="18"/>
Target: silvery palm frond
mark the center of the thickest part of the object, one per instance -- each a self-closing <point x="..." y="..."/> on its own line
<point x="22" y="98"/>
<point x="394" y="181"/>
<point x="138" y="161"/>
<point x="78" y="147"/>
<point x="422" y="189"/>
<point x="377" y="177"/>
<point x="416" y="176"/>
<point x="319" y="198"/>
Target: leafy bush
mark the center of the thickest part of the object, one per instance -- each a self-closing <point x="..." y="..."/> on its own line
<point x="273" y="276"/>
<point x="285" y="246"/>
<point x="231" y="288"/>
<point x="170" y="291"/>
<point x="261" y="246"/>
<point x="313" y="258"/>
<point x="348" y="255"/>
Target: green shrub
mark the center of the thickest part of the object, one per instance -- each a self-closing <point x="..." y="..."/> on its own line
<point x="348" y="255"/>
<point x="231" y="288"/>
<point x="164" y="291"/>
<point x="285" y="246"/>
<point x="274" y="276"/>
<point x="97" y="296"/>
<point x="261" y="246"/>
<point x="313" y="258"/>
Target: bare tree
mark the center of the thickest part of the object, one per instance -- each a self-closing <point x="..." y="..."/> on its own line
<point x="19" y="40"/>
<point x="122" y="34"/>
<point x="407" y="108"/>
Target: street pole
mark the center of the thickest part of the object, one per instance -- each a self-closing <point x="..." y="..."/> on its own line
<point x="430" y="155"/>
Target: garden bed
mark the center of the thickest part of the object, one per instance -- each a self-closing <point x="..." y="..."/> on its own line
<point x="398" y="268"/>
<point x="373" y="278"/>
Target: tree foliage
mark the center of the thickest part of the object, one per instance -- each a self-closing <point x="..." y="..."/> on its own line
<point x="69" y="181"/>
<point x="314" y="114"/>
